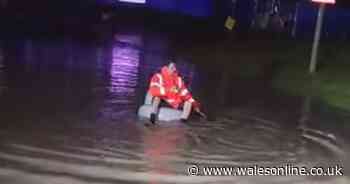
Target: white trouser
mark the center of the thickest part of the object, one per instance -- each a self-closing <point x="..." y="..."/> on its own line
<point x="186" y="112"/>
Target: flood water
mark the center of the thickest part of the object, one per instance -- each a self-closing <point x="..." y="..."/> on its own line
<point x="68" y="115"/>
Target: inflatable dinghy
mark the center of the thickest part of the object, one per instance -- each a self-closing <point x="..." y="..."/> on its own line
<point x="165" y="114"/>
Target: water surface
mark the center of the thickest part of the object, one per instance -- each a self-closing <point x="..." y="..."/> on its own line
<point x="68" y="115"/>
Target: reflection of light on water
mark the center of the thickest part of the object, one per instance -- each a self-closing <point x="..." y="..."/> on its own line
<point x="157" y="151"/>
<point x="123" y="78"/>
<point x="124" y="71"/>
<point x="1" y="58"/>
<point x="2" y="75"/>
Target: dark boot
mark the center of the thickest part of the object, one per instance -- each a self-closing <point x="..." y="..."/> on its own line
<point x="184" y="120"/>
<point x="153" y="118"/>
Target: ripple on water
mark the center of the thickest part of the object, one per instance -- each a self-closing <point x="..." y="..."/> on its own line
<point x="114" y="148"/>
<point x="136" y="154"/>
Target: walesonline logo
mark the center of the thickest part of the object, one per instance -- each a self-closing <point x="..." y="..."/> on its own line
<point x="287" y="170"/>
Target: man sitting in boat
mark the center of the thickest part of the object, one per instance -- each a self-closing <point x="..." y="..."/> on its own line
<point x="168" y="86"/>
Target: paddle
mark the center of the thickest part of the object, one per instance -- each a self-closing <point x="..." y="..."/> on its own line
<point x="202" y="114"/>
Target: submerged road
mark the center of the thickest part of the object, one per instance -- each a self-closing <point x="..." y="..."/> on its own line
<point x="68" y="115"/>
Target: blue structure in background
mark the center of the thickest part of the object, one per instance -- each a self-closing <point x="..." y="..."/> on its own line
<point x="194" y="8"/>
<point x="163" y="6"/>
<point x="197" y="8"/>
<point x="336" y="21"/>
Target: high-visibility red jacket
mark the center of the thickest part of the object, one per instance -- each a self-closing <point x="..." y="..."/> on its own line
<point x="171" y="88"/>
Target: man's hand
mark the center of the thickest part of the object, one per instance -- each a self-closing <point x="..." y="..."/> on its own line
<point x="200" y="113"/>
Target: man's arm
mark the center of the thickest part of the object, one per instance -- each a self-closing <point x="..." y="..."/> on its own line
<point x="185" y="93"/>
<point x="156" y="85"/>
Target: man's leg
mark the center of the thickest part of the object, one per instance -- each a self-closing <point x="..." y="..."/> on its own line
<point x="155" y="107"/>
<point x="186" y="110"/>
